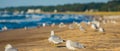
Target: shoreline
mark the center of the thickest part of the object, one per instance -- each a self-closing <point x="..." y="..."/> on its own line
<point x="86" y="13"/>
<point x="36" y="39"/>
<point x="32" y="21"/>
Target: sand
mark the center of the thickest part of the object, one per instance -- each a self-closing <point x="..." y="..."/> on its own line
<point x="36" y="39"/>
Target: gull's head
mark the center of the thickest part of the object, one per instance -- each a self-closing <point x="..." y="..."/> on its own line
<point x="5" y="27"/>
<point x="43" y="24"/>
<point x="52" y="32"/>
<point x="100" y="28"/>
<point x="80" y="26"/>
<point x="8" y="46"/>
<point x="68" y="41"/>
<point x="53" y="23"/>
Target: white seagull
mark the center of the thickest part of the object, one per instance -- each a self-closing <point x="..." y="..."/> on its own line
<point x="93" y="26"/>
<point x="97" y="23"/>
<point x="113" y="21"/>
<point x="25" y="28"/>
<point x="4" y="28"/>
<point x="71" y="26"/>
<point x="53" y="24"/>
<point x="101" y="29"/>
<point x="44" y="24"/>
<point x="61" y="25"/>
<point x="55" y="39"/>
<point x="73" y="45"/>
<point x="88" y="23"/>
<point x="81" y="28"/>
<point x="104" y="22"/>
<point x="9" y="47"/>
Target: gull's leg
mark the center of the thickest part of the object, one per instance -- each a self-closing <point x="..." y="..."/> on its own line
<point x="51" y="44"/>
<point x="55" y="45"/>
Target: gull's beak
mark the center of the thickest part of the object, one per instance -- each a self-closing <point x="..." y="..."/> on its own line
<point x="64" y="40"/>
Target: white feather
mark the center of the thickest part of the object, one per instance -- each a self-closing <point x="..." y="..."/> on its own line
<point x="73" y="45"/>
<point x="9" y="47"/>
<point x="54" y="39"/>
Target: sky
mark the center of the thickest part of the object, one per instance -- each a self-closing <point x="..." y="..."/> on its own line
<point x="17" y="3"/>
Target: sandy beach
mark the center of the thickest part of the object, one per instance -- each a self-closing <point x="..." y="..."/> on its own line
<point x="36" y="39"/>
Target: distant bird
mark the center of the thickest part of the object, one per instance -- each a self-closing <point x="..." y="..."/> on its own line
<point x="74" y="22"/>
<point x="61" y="25"/>
<point x="4" y="28"/>
<point x="108" y="21"/>
<point x="100" y="18"/>
<point x="97" y="23"/>
<point x="93" y="26"/>
<point x="104" y="22"/>
<point x="25" y="28"/>
<point x="113" y="21"/>
<point x="71" y="26"/>
<point x="101" y="29"/>
<point x="53" y="24"/>
<point x="55" y="39"/>
<point x="73" y="45"/>
<point x="81" y="28"/>
<point x="44" y="24"/>
<point x="9" y="47"/>
<point x="78" y="24"/>
<point x="88" y="23"/>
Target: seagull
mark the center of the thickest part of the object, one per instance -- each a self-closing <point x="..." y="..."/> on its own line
<point x="61" y="25"/>
<point x="113" y="21"/>
<point x="55" y="39"/>
<point x="93" y="26"/>
<point x="73" y="45"/>
<point x="75" y="23"/>
<point x="4" y="28"/>
<point x="9" y="47"/>
<point x="71" y="26"/>
<point x="81" y="28"/>
<point x="43" y="24"/>
<point x="104" y="22"/>
<point x="88" y="23"/>
<point x="25" y="28"/>
<point x="53" y="24"/>
<point x="101" y="29"/>
<point x="97" y="23"/>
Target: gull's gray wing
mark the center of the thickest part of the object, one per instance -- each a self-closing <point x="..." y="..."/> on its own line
<point x="12" y="49"/>
<point x="76" y="45"/>
<point x="57" y="39"/>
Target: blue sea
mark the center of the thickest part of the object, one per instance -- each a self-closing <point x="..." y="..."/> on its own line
<point x="17" y="21"/>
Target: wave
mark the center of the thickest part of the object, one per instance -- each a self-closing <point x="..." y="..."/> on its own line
<point x="32" y="20"/>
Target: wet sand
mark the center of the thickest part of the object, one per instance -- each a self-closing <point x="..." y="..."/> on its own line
<point x="36" y="39"/>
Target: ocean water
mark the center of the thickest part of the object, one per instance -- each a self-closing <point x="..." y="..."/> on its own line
<point x="16" y="21"/>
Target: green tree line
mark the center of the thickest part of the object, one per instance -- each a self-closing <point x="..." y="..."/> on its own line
<point x="112" y="5"/>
